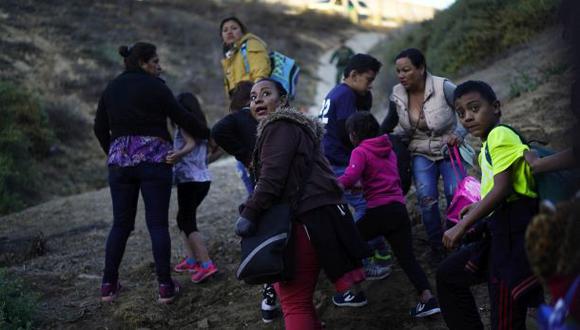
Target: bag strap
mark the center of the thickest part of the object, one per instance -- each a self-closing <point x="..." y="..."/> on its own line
<point x="488" y="155"/>
<point x="244" y="50"/>
<point x="456" y="163"/>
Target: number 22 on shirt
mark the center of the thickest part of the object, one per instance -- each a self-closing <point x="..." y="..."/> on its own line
<point x="323" y="115"/>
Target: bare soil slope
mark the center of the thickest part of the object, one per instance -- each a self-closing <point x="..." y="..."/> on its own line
<point x="65" y="51"/>
<point x="59" y="247"/>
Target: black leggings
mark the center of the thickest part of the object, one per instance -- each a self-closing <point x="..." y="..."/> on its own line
<point x="392" y="222"/>
<point x="189" y="197"/>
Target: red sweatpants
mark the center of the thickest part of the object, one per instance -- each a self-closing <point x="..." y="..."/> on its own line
<point x="296" y="295"/>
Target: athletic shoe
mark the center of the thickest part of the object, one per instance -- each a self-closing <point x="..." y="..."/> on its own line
<point x="202" y="273"/>
<point x="110" y="291"/>
<point x="429" y="308"/>
<point x="374" y="271"/>
<point x="382" y="258"/>
<point x="348" y="299"/>
<point x="269" y="307"/>
<point x="168" y="292"/>
<point x="183" y="266"/>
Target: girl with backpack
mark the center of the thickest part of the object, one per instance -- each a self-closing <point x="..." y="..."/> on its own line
<point x="245" y="54"/>
<point x="193" y="180"/>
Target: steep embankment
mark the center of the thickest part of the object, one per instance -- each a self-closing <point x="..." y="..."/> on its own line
<point x="63" y="53"/>
<point x="64" y="263"/>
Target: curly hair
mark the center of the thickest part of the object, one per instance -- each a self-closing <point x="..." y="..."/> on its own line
<point x="552" y="240"/>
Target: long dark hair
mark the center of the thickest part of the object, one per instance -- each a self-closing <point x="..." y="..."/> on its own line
<point x="191" y="104"/>
<point x="225" y="47"/>
<point x="139" y="52"/>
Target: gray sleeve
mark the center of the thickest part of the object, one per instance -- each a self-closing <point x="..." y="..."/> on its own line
<point x="448" y="90"/>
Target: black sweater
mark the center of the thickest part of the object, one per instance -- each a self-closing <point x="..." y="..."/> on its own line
<point x="137" y="103"/>
<point x="236" y="134"/>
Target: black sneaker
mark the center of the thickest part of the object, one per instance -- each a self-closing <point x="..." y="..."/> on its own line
<point x="269" y="306"/>
<point x="348" y="299"/>
<point x="429" y="308"/>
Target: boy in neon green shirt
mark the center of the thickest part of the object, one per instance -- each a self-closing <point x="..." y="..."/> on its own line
<point x="508" y="203"/>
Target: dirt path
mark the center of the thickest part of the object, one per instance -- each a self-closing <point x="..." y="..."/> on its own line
<point x="361" y="43"/>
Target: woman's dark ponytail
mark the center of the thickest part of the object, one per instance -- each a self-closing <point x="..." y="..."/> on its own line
<point x="124" y="51"/>
<point x="139" y="52"/>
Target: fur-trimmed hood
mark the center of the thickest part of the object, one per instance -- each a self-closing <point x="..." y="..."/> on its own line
<point x="293" y="115"/>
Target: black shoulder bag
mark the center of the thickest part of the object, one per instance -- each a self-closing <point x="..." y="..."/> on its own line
<point x="267" y="256"/>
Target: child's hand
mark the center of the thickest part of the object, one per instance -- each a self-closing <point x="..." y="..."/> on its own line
<point x="453" y="236"/>
<point x="452" y="139"/>
<point x="466" y="210"/>
<point x="173" y="157"/>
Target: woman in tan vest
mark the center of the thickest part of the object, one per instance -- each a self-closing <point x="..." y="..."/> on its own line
<point x="423" y="103"/>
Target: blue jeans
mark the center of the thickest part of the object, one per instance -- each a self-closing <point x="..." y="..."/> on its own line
<point x="426" y="175"/>
<point x="154" y="181"/>
<point x="245" y="176"/>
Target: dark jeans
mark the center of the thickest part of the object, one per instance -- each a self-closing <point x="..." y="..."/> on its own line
<point x="189" y="197"/>
<point x="154" y="181"/>
<point x="392" y="222"/>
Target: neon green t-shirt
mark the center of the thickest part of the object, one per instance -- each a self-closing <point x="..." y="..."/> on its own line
<point x="506" y="150"/>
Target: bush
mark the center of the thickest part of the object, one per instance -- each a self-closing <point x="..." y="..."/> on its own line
<point x="17" y="303"/>
<point x="473" y="30"/>
<point x="25" y="137"/>
<point x="67" y="120"/>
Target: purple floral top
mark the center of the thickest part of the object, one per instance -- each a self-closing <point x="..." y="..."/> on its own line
<point x="131" y="150"/>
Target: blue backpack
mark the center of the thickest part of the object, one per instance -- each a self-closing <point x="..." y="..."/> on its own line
<point x="284" y="70"/>
<point x="554" y="186"/>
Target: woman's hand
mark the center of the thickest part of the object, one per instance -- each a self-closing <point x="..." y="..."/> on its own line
<point x="452" y="139"/>
<point x="245" y="227"/>
<point x="173" y="156"/>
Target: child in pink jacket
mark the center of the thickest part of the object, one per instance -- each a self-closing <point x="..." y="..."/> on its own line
<point x="374" y="163"/>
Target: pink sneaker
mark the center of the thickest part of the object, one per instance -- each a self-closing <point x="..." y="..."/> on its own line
<point x="168" y="292"/>
<point x="201" y="274"/>
<point x="183" y="266"/>
<point x="110" y="291"/>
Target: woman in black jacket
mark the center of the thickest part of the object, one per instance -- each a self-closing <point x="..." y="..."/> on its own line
<point x="130" y="125"/>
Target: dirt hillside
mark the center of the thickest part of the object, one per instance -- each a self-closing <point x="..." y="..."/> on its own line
<point x="59" y="246"/>
<point x="65" y="51"/>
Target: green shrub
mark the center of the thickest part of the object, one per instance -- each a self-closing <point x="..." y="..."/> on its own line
<point x="471" y="31"/>
<point x="25" y="137"/>
<point x="17" y="303"/>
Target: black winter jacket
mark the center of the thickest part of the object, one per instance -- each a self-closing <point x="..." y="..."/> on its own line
<point x="137" y="103"/>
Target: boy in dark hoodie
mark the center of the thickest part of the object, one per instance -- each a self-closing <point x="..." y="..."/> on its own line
<point x="374" y="163"/>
